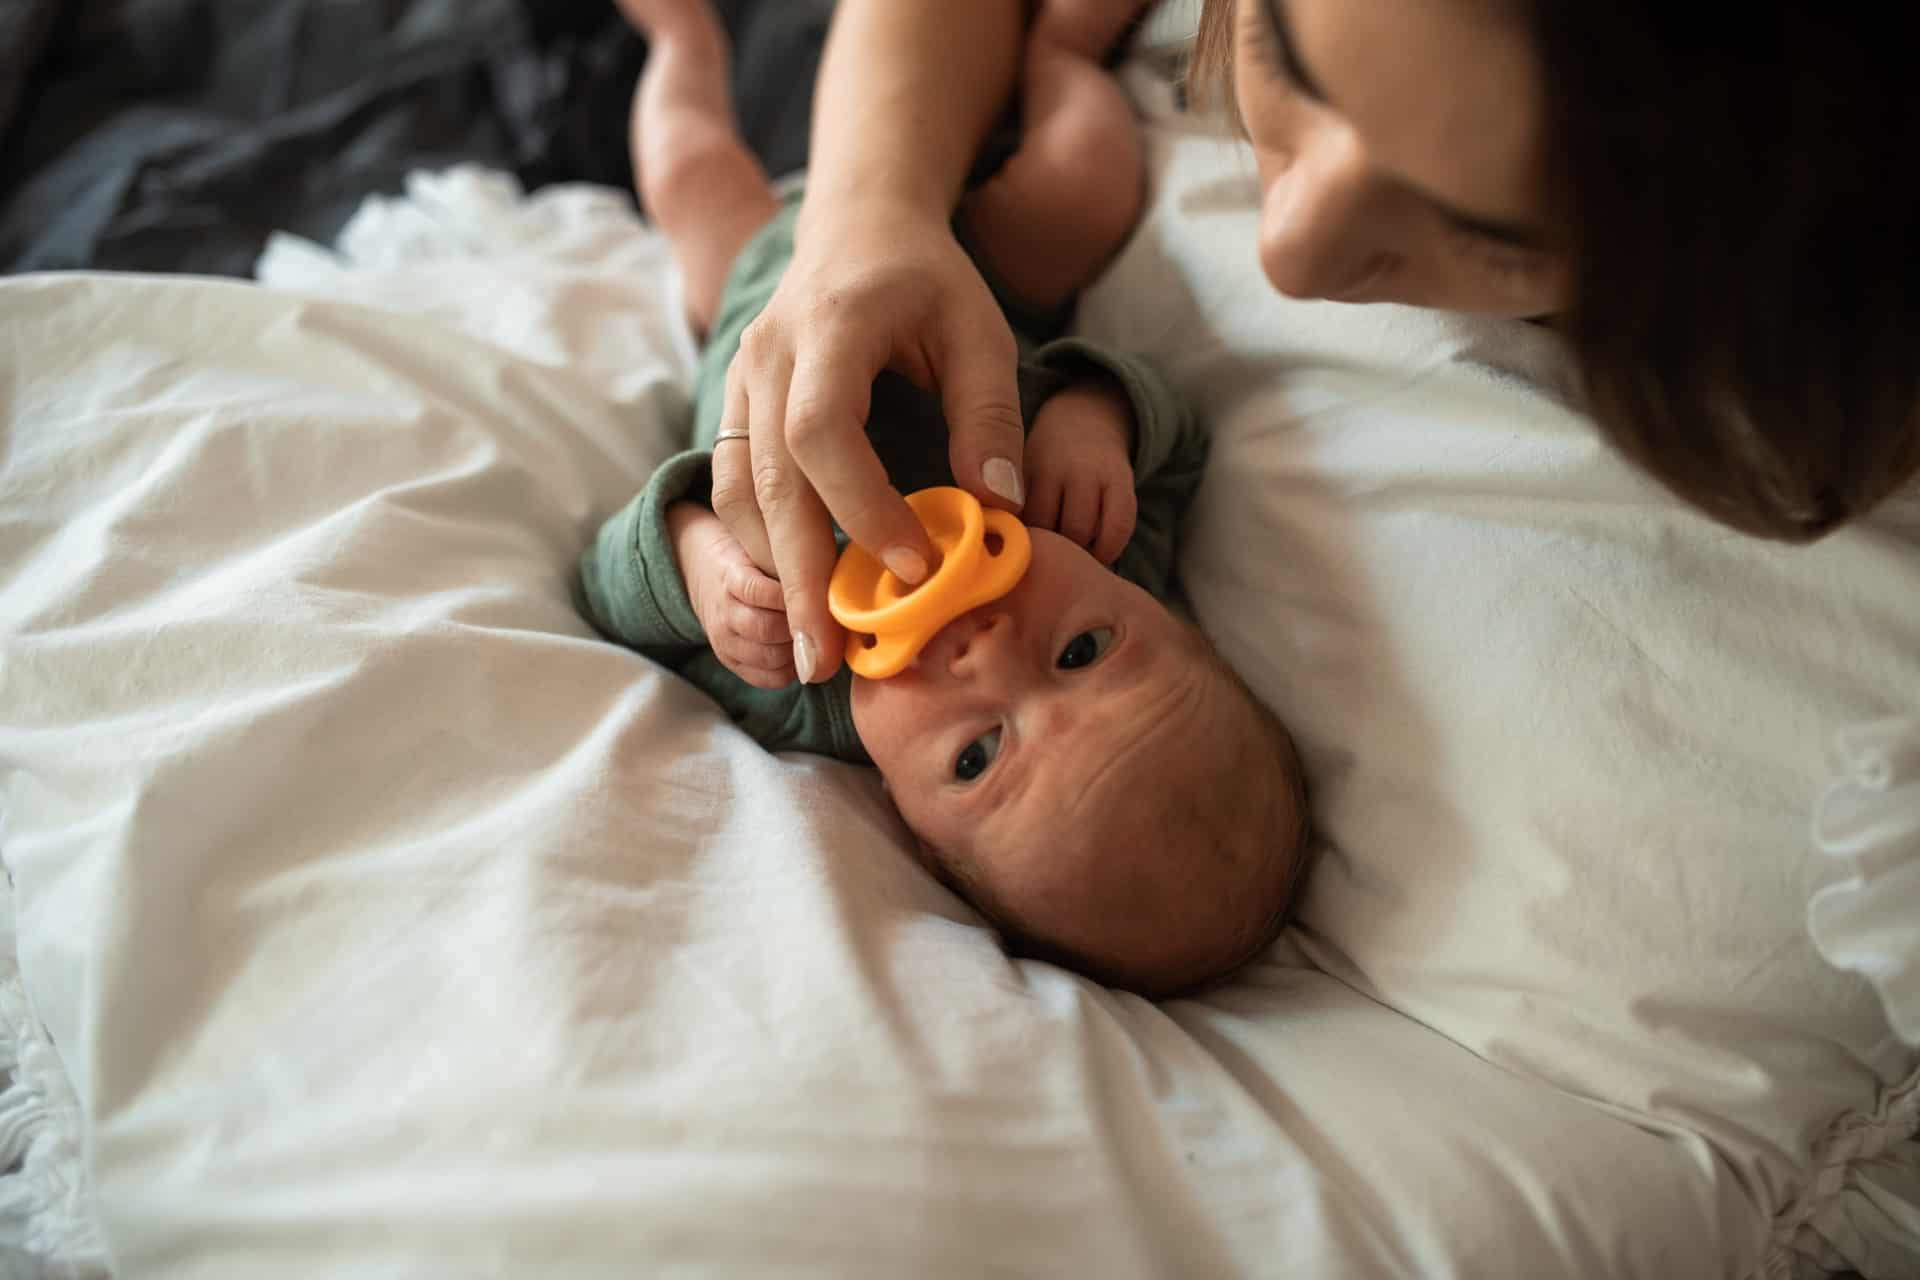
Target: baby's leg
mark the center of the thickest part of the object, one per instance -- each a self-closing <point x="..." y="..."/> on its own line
<point x="698" y="181"/>
<point x="1064" y="203"/>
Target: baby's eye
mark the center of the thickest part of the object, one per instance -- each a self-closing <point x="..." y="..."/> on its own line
<point x="1086" y="648"/>
<point x="976" y="756"/>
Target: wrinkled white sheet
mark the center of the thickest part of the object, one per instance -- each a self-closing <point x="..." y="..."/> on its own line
<point x="386" y="922"/>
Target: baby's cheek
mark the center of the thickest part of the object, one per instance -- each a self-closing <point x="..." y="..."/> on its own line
<point x="878" y="721"/>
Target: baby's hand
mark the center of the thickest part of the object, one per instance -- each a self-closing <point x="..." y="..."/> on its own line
<point x="741" y="608"/>
<point x="1080" y="469"/>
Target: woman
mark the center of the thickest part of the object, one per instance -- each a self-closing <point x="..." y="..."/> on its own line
<point x="1723" y="218"/>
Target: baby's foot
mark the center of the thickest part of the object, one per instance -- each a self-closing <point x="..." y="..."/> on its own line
<point x="689" y="24"/>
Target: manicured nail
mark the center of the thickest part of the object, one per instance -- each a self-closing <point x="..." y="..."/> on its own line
<point x="1003" y="479"/>
<point x="906" y="565"/>
<point x="803" y="657"/>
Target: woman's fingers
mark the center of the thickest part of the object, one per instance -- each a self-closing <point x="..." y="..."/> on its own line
<point x="826" y="430"/>
<point x="804" y="554"/>
<point x="732" y="498"/>
<point x="980" y="395"/>
<point x="773" y="511"/>
<point x="895" y="295"/>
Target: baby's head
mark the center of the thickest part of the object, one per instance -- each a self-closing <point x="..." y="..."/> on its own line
<point x="1079" y="764"/>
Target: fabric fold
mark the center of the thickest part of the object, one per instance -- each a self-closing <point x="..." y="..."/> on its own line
<point x="1864" y="911"/>
<point x="46" y="1210"/>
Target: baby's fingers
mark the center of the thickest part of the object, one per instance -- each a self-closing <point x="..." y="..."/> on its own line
<point x="762" y="626"/>
<point x="1043" y="500"/>
<point x="1080" y="511"/>
<point x="764" y="666"/>
<point x="1119" y="511"/>
<point x="752" y="588"/>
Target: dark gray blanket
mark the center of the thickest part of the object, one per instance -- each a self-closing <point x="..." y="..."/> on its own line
<point x="174" y="135"/>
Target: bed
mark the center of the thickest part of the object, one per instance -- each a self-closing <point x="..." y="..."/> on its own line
<point x="370" y="916"/>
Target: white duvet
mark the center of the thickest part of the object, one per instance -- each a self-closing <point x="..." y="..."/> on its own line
<point x="376" y="919"/>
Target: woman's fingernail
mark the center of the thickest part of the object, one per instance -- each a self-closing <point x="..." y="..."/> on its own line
<point x="1004" y="479"/>
<point x="803" y="657"/>
<point x="905" y="565"/>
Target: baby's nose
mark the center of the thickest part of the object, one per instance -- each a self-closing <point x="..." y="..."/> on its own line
<point x="977" y="636"/>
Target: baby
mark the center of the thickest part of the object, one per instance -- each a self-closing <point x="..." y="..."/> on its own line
<point x="1072" y="758"/>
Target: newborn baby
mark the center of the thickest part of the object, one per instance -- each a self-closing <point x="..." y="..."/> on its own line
<point x="1071" y="758"/>
<point x="1078" y="764"/>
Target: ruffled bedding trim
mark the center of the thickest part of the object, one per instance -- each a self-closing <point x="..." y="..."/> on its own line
<point x="46" y="1216"/>
<point x="1864" y="916"/>
<point x="1859" y="1208"/>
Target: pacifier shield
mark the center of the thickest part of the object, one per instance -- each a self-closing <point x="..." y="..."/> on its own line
<point x="982" y="554"/>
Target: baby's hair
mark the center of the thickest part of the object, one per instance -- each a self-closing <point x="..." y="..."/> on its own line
<point x="1300" y="852"/>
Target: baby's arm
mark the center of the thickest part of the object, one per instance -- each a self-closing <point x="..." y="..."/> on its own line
<point x="665" y="577"/>
<point x="748" y="666"/>
<point x="629" y="584"/>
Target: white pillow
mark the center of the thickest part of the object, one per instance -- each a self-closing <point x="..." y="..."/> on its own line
<point x="1564" y="737"/>
<point x="389" y="923"/>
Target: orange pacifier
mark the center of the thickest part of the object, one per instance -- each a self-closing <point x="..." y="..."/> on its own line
<point x="982" y="553"/>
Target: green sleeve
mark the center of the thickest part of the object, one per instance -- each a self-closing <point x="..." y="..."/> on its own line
<point x="632" y="590"/>
<point x="1169" y="454"/>
<point x="630" y="584"/>
<point x="816" y="718"/>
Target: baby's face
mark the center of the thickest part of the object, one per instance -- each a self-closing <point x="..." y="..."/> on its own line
<point x="1026" y="721"/>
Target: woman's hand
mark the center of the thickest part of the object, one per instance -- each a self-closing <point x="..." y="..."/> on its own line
<point x="872" y="286"/>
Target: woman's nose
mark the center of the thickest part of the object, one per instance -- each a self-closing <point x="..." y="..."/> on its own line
<point x="1325" y="222"/>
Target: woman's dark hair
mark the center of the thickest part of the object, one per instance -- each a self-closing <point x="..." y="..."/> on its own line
<point x="1744" y="193"/>
<point x="1741" y="189"/>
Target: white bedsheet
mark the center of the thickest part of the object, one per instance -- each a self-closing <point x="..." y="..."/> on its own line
<point x="386" y="922"/>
